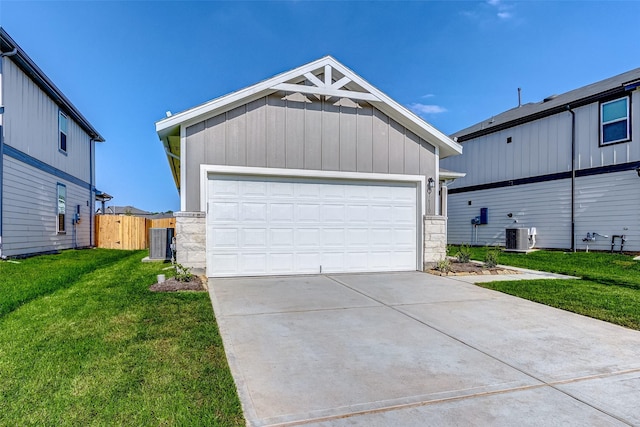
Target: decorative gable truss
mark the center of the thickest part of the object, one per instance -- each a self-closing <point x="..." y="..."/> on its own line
<point x="328" y="82"/>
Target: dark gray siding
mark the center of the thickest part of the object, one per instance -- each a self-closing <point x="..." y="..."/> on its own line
<point x="312" y="134"/>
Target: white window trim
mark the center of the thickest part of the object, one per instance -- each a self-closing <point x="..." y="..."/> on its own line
<point x="603" y="123"/>
<point x="58" y="187"/>
<point x="60" y="115"/>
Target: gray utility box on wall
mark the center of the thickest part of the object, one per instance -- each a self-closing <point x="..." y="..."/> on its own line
<point x="517" y="239"/>
<point x="160" y="243"/>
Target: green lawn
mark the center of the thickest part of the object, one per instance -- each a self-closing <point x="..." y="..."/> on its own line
<point x="83" y="342"/>
<point x="609" y="289"/>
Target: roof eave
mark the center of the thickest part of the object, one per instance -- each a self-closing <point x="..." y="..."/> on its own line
<point x="171" y="125"/>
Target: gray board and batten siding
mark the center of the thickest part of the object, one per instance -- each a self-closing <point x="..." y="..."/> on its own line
<point x="305" y="133"/>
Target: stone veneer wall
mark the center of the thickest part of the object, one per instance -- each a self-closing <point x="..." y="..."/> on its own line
<point x="191" y="242"/>
<point x="435" y="240"/>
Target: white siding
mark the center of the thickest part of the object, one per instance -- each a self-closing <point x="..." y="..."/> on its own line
<point x="30" y="215"/>
<point x="31" y="125"/>
<point x="546" y="206"/>
<point x="608" y="204"/>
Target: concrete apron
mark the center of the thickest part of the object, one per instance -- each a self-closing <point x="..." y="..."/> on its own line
<point x="414" y="349"/>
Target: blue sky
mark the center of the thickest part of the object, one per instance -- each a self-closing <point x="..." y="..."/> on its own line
<point x="124" y="63"/>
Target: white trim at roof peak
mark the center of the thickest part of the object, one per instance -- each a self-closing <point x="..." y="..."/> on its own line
<point x="284" y="80"/>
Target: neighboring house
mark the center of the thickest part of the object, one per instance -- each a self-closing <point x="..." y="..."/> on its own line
<point x="311" y="171"/>
<point x="568" y="166"/>
<point x="133" y="211"/>
<point x="123" y="210"/>
<point x="47" y="161"/>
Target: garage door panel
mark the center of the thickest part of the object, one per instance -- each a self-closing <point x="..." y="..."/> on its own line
<point x="253" y="212"/>
<point x="307" y="262"/>
<point x="403" y="215"/>
<point x="309" y="191"/>
<point x="281" y="212"/>
<point x="308" y="212"/>
<point x="404" y="237"/>
<point x="357" y="214"/>
<point x="357" y="261"/>
<point x="380" y="260"/>
<point x="254" y="238"/>
<point x="224" y="187"/>
<point x="307" y="237"/>
<point x="225" y="264"/>
<point x="380" y="214"/>
<point x="281" y="237"/>
<point x="253" y="263"/>
<point x="330" y="192"/>
<point x="261" y="226"/>
<point x="224" y="211"/>
<point x="333" y="262"/>
<point x="281" y="189"/>
<point x="354" y="192"/>
<point x="399" y="260"/>
<point x="225" y="238"/>
<point x="332" y="213"/>
<point x="381" y="237"/>
<point x="333" y="237"/>
<point x="357" y="237"/>
<point x="282" y="263"/>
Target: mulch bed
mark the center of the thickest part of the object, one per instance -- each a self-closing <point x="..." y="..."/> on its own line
<point x="472" y="269"/>
<point x="172" y="285"/>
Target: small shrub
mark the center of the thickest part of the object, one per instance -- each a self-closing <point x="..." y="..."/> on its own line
<point x="464" y="253"/>
<point x="491" y="258"/>
<point x="444" y="265"/>
<point x="183" y="274"/>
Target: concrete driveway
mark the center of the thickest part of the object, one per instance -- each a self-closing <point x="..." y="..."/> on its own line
<point x="412" y="349"/>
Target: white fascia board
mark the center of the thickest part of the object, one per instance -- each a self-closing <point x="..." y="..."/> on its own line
<point x="403" y="115"/>
<point x="183" y="170"/>
<point x="375" y="96"/>
<point x="206" y="170"/>
<point x="241" y="95"/>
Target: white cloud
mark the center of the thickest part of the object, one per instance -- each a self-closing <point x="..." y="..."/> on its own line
<point x="429" y="95"/>
<point x="426" y="108"/>
<point x="504" y="11"/>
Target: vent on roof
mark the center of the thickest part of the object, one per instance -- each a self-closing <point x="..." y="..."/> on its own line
<point x="549" y="98"/>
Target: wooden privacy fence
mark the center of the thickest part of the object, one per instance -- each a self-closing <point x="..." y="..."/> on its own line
<point x="126" y="231"/>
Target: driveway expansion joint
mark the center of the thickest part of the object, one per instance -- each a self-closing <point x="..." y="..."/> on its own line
<point x="543" y="382"/>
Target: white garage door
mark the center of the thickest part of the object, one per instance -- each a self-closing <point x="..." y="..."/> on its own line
<point x="273" y="225"/>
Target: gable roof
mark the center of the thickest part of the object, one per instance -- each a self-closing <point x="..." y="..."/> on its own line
<point x="554" y="104"/>
<point x="324" y="77"/>
<point x="9" y="48"/>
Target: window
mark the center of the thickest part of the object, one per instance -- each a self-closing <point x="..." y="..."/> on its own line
<point x="615" y="124"/>
<point x="63" y="123"/>
<point x="62" y="207"/>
